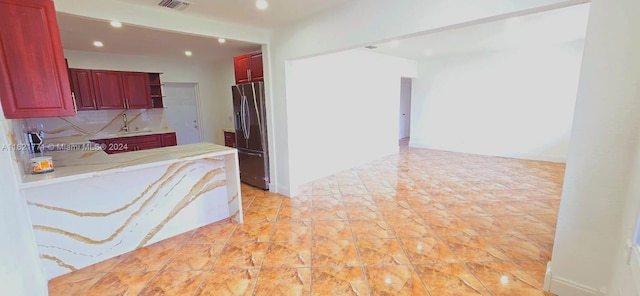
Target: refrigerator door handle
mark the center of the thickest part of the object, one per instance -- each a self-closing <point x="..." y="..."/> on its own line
<point x="237" y="121"/>
<point x="250" y="153"/>
<point x="248" y="118"/>
<point x="242" y="114"/>
<point x="244" y="108"/>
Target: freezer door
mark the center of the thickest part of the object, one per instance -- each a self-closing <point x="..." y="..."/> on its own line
<point x="254" y="168"/>
<point x="238" y="104"/>
<point x="249" y="112"/>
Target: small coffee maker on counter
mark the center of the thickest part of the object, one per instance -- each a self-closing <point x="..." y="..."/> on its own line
<point x="34" y="141"/>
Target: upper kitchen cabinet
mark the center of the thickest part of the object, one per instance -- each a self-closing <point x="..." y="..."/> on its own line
<point x="241" y="68"/>
<point x="107" y="86"/>
<point x="121" y="90"/>
<point x="137" y="94"/>
<point x="248" y="67"/>
<point x="82" y="89"/>
<point x="34" y="81"/>
<point x="255" y="67"/>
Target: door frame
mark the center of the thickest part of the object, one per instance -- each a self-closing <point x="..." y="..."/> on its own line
<point x="407" y="80"/>
<point x="196" y="90"/>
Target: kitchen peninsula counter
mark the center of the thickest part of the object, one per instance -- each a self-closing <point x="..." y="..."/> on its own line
<point x="73" y="165"/>
<point x="97" y="206"/>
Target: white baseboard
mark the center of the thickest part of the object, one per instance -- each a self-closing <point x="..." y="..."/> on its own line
<point x="564" y="287"/>
<point x="283" y="189"/>
<point x="528" y="156"/>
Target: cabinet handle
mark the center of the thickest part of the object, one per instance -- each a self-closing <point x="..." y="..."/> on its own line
<point x="249" y="74"/>
<point x="75" y="105"/>
<point x="126" y="103"/>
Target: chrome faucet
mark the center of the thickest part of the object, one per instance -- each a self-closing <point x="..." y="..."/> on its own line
<point x="125" y="127"/>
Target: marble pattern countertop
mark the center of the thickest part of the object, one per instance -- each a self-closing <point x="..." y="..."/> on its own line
<point x="127" y="134"/>
<point x="94" y="163"/>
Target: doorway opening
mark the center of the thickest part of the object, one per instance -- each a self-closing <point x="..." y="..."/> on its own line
<point x="181" y="111"/>
<point x="405" y="111"/>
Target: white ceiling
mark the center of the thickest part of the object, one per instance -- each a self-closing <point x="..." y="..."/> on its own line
<point x="279" y="12"/>
<point x="550" y="27"/>
<point x="78" y="33"/>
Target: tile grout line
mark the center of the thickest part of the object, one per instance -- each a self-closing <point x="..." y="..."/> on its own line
<point x="224" y="245"/>
<point x="126" y="255"/>
<point x="268" y="242"/>
<point x="440" y="240"/>
<point x="160" y="270"/>
<point x="464" y="263"/>
<point x="424" y="284"/>
<point x="354" y="239"/>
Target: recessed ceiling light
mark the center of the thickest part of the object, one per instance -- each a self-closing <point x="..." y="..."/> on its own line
<point x="116" y="24"/>
<point x="262" y="4"/>
<point x="188" y="53"/>
<point x="221" y="40"/>
<point x="428" y="52"/>
<point x="98" y="44"/>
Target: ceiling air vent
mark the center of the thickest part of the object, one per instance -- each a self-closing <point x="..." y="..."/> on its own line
<point x="174" y="4"/>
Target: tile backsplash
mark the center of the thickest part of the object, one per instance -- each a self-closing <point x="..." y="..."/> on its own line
<point x="101" y="122"/>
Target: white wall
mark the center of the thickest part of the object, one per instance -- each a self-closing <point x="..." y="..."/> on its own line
<point x="592" y="229"/>
<point x="361" y="22"/>
<point x="20" y="269"/>
<point x="224" y="73"/>
<point x="351" y="25"/>
<point x="513" y="103"/>
<point x="210" y="79"/>
<point x="346" y="111"/>
<point x="627" y="270"/>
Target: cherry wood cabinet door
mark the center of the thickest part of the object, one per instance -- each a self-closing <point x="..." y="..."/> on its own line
<point x="34" y="81"/>
<point x="230" y="139"/>
<point x="107" y="86"/>
<point x="146" y="142"/>
<point x="255" y="65"/>
<point x="82" y="87"/>
<point x="241" y="67"/>
<point x="137" y="91"/>
<point x="169" y="139"/>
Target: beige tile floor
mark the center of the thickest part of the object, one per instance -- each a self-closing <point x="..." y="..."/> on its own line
<point x="423" y="222"/>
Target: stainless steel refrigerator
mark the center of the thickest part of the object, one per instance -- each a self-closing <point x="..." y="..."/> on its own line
<point x="251" y="133"/>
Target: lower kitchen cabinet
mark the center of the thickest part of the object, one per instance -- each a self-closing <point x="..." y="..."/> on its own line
<point x="169" y="139"/>
<point x="135" y="143"/>
<point x="230" y="139"/>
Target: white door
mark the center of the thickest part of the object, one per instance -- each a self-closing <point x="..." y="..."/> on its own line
<point x="181" y="110"/>
<point x="405" y="108"/>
